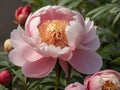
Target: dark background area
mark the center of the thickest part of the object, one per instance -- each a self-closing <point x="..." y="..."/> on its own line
<point x="7" y="11"/>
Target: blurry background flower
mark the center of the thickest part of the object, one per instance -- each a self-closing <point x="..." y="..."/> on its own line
<point x="22" y="13"/>
<point x="103" y="80"/>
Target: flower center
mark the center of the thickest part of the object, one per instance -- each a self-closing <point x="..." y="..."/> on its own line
<point x="109" y="85"/>
<point x="53" y="32"/>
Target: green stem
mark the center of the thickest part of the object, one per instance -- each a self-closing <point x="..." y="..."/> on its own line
<point x="10" y="87"/>
<point x="69" y="75"/>
<point x="58" y="70"/>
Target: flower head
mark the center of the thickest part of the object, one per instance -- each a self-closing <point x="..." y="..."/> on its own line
<point x="103" y="80"/>
<point x="75" y="86"/>
<point x="22" y="13"/>
<point x="5" y="78"/>
<point x="55" y="32"/>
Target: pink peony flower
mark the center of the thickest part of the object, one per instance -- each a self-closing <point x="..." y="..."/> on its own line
<point x="54" y="32"/>
<point x="103" y="80"/>
<point x="22" y="13"/>
<point x="75" y="86"/>
<point x="5" y="77"/>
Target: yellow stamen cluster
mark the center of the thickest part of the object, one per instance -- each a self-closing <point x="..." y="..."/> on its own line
<point x="109" y="85"/>
<point x="53" y="32"/>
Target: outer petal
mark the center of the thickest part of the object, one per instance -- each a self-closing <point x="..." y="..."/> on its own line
<point x="74" y="33"/>
<point x="75" y="86"/>
<point x="16" y="57"/>
<point x="90" y="39"/>
<point x="64" y="66"/>
<point x="39" y="68"/>
<point x="21" y="54"/>
<point x="16" y="37"/>
<point x="93" y="45"/>
<point x="86" y="61"/>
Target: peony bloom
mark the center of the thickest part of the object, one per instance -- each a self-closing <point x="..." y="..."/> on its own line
<point x="75" y="86"/>
<point x="22" y="13"/>
<point x="103" y="80"/>
<point x="52" y="33"/>
<point x="5" y="78"/>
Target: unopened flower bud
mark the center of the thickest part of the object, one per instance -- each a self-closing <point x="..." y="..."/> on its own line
<point x="7" y="46"/>
<point x="22" y="13"/>
<point x="75" y="86"/>
<point x="5" y="78"/>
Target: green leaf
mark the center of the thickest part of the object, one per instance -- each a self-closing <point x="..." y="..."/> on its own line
<point x="116" y="61"/>
<point x="117" y="17"/>
<point x="28" y="1"/>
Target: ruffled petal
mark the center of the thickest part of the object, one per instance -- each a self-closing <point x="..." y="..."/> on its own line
<point x="16" y="37"/>
<point x="86" y="61"/>
<point x="65" y="54"/>
<point x="48" y="51"/>
<point x="39" y="68"/>
<point x="90" y="31"/>
<point x="74" y="33"/>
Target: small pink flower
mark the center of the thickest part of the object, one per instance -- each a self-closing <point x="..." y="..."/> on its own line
<point x="75" y="86"/>
<point x="54" y="32"/>
<point x="22" y="13"/>
<point x="5" y="78"/>
<point x="103" y="80"/>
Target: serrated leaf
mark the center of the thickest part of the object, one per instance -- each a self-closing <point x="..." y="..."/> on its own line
<point x="117" y="17"/>
<point x="116" y="61"/>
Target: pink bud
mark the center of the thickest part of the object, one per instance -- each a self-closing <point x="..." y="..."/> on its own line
<point x="103" y="80"/>
<point x="22" y="13"/>
<point x="5" y="78"/>
<point x="75" y="86"/>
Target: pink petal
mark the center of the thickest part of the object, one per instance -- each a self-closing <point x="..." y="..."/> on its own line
<point x="16" y="57"/>
<point x="47" y="51"/>
<point x="95" y="83"/>
<point x="86" y="61"/>
<point x="65" y="54"/>
<point x="93" y="45"/>
<point x="21" y="54"/>
<point x="39" y="68"/>
<point x="88" y="24"/>
<point x="78" y="17"/>
<point x="16" y="37"/>
<point x="89" y="36"/>
<point x="31" y="28"/>
<point x="28" y="53"/>
<point x="64" y="66"/>
<point x="74" y="33"/>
